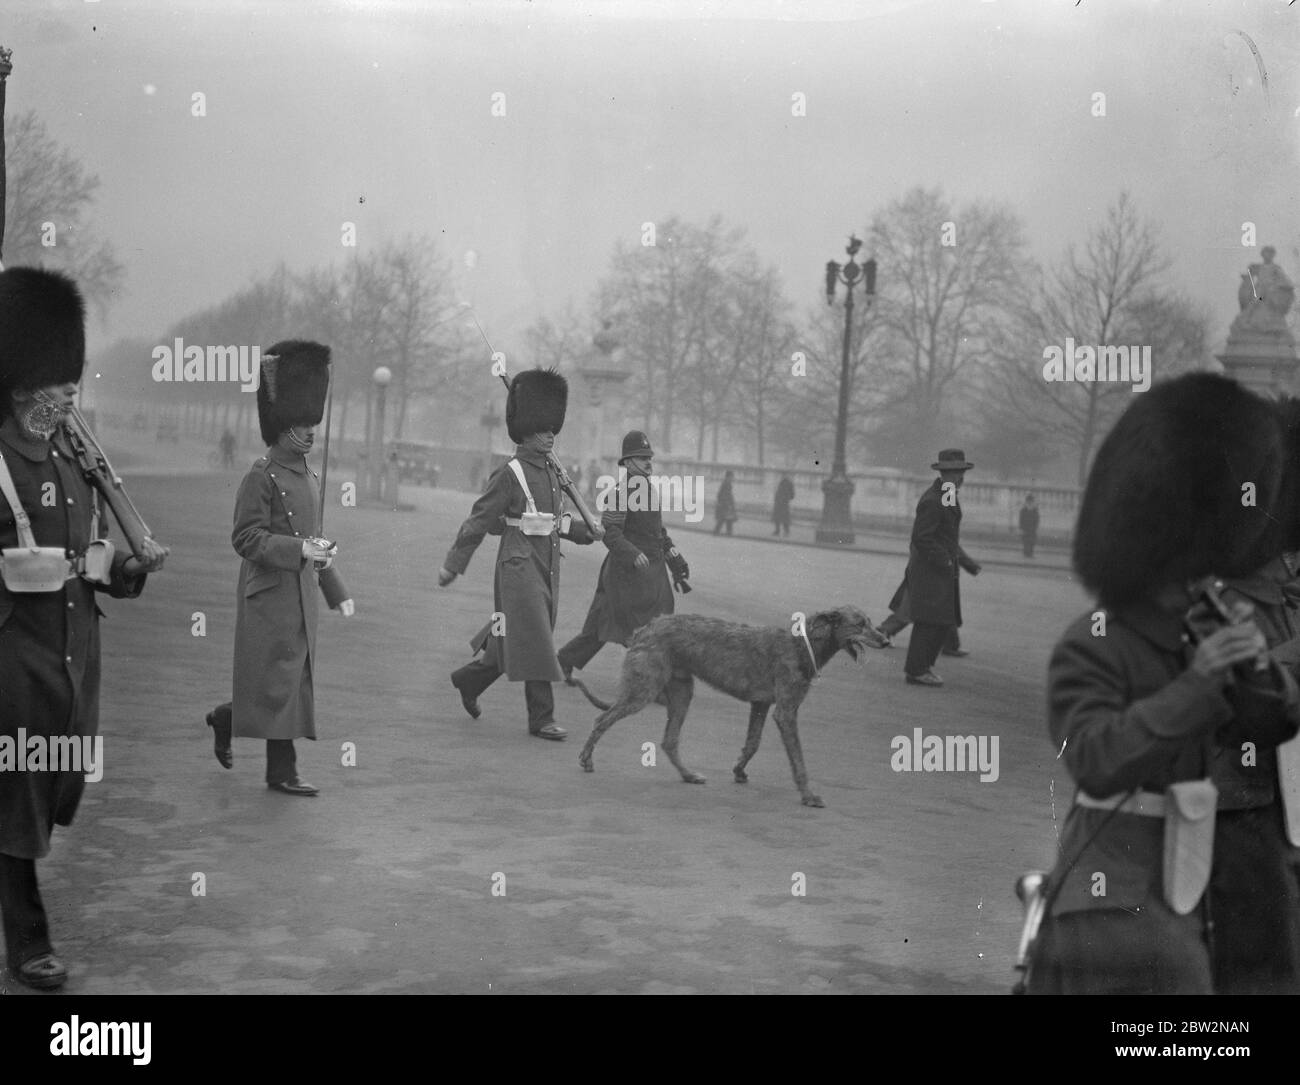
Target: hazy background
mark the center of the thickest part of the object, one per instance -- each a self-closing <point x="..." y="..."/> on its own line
<point x="622" y="113"/>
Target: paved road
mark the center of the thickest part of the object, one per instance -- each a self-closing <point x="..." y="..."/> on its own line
<point x="623" y="881"/>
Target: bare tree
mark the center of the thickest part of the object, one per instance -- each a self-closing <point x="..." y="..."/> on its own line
<point x="413" y="337"/>
<point x="762" y="340"/>
<point x="554" y="343"/>
<point x="946" y="282"/>
<point x="49" y="204"/>
<point x="664" y="299"/>
<point x="1112" y="294"/>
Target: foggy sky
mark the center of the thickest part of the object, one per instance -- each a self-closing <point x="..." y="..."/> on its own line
<point x="618" y="114"/>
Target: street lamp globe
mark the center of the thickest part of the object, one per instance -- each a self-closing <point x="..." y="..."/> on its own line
<point x="382" y="376"/>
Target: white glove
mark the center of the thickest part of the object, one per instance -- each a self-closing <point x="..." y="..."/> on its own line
<point x="320" y="555"/>
<point x="347" y="608"/>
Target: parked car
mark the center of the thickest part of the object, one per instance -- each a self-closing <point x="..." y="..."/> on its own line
<point x="416" y="461"/>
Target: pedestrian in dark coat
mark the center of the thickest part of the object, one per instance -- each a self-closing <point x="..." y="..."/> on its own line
<point x="633" y="586"/>
<point x="49" y="639"/>
<point x="1165" y="736"/>
<point x="934" y="562"/>
<point x="284" y="566"/>
<point x="1029" y="525"/>
<point x="724" y="508"/>
<point x="781" y="506"/>
<point x="522" y="504"/>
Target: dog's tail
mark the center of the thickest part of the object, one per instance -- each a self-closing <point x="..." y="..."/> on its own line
<point x="580" y="684"/>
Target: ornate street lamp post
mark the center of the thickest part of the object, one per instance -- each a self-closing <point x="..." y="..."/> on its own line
<point x="836" y="528"/>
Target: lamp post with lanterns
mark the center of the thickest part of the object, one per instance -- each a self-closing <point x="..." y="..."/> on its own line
<point x="836" y="527"/>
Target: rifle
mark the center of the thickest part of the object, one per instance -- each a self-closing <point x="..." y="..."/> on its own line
<point x="5" y="68"/>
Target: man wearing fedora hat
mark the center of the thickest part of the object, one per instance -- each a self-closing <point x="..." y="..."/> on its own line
<point x="935" y="559"/>
<point x="633" y="586"/>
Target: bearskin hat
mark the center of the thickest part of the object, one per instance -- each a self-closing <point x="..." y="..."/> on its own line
<point x="1288" y="412"/>
<point x="1167" y="500"/>
<point x="536" y="403"/>
<point x="42" y="331"/>
<point x="295" y="379"/>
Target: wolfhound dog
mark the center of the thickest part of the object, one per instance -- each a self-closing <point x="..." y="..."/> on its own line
<point x="768" y="667"/>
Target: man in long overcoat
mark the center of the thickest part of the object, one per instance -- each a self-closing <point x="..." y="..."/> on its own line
<point x="1029" y="525"/>
<point x="49" y="639"/>
<point x="934" y="562"/>
<point x="724" y="507"/>
<point x="284" y="565"/>
<point x="633" y="586"/>
<point x="781" y="505"/>
<point x="523" y="504"/>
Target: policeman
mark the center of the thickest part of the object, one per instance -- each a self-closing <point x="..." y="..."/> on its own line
<point x="633" y="586"/>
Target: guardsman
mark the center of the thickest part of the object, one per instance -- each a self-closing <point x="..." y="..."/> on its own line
<point x="633" y="586"/>
<point x="1166" y="709"/>
<point x="284" y="564"/>
<point x="49" y="621"/>
<point x="522" y="504"/>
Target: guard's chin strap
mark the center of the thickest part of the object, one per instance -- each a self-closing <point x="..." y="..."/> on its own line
<point x="297" y="442"/>
<point x="803" y="632"/>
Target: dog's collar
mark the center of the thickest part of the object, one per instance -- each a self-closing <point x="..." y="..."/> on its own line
<point x="803" y="633"/>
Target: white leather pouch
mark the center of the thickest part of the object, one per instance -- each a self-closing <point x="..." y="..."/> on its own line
<point x="34" y="568"/>
<point x="537" y="523"/>
<point x="1189" y="842"/>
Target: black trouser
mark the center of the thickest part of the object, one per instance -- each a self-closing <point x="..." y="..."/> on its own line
<point x="893" y="625"/>
<point x="27" y="931"/>
<point x="924" y="645"/>
<point x="582" y="649"/>
<point x="281" y="759"/>
<point x="717" y="528"/>
<point x="477" y="675"/>
<point x="1029" y="541"/>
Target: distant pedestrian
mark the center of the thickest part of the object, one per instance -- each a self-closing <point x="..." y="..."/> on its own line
<point x="1029" y="525"/>
<point x="781" y="507"/>
<point x="227" y="450"/>
<point x="724" y="508"/>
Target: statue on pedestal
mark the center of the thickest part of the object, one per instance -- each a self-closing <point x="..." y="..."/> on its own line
<point x="1265" y="295"/>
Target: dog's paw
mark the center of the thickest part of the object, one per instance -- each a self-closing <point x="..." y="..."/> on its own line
<point x="694" y="778"/>
<point x="741" y="777"/>
<point x="813" y="800"/>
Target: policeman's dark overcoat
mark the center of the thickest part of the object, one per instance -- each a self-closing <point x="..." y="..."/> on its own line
<point x="628" y="597"/>
<point x="49" y="641"/>
<point x="930" y="585"/>
<point x="276" y="608"/>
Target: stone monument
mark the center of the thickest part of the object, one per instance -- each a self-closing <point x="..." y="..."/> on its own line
<point x="1261" y="351"/>
<point x="598" y="427"/>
